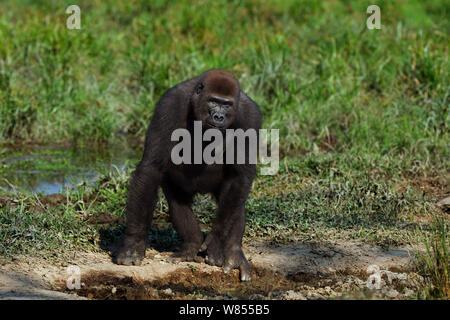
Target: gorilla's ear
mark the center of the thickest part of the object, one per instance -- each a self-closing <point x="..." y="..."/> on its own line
<point x="200" y="87"/>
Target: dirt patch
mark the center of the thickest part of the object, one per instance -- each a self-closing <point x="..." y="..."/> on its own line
<point x="302" y="271"/>
<point x="4" y="200"/>
<point x="105" y="219"/>
<point x="328" y="143"/>
<point x="53" y="200"/>
<point x="25" y="287"/>
<point x="292" y="152"/>
<point x="46" y="202"/>
<point x="183" y="283"/>
<point x="432" y="185"/>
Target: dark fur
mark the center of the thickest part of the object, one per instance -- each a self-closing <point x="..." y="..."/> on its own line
<point x="229" y="184"/>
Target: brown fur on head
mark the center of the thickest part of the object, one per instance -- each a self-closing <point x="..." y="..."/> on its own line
<point x="222" y="83"/>
<point x="216" y="98"/>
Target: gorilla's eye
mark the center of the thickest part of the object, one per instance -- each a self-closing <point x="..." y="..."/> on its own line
<point x="200" y="88"/>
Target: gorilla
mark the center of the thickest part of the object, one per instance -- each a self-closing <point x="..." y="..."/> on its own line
<point x="215" y="99"/>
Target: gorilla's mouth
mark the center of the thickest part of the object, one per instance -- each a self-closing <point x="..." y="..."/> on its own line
<point x="210" y="125"/>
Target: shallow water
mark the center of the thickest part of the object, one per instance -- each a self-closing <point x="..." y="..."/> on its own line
<point x="50" y="170"/>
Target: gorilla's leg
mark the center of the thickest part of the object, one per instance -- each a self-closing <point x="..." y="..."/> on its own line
<point x="184" y="222"/>
<point x="142" y="196"/>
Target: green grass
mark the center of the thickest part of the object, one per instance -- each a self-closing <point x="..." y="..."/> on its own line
<point x="363" y="114"/>
<point x="313" y="67"/>
<point x="43" y="232"/>
<point x="290" y="208"/>
<point x="434" y="262"/>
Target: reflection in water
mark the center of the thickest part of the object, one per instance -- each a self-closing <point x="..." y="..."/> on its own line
<point x="50" y="183"/>
<point x="50" y="171"/>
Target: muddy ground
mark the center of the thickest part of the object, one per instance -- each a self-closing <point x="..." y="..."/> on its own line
<point x="302" y="271"/>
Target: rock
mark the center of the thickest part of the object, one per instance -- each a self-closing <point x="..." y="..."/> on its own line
<point x="314" y="296"/>
<point x="445" y="204"/>
<point x="293" y="295"/>
<point x="153" y="292"/>
<point x="168" y="292"/>
<point x="256" y="296"/>
<point x="328" y="291"/>
<point x="408" y="292"/>
<point x="391" y="293"/>
<point x="373" y="268"/>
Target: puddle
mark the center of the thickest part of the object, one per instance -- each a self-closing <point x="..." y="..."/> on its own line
<point x="50" y="170"/>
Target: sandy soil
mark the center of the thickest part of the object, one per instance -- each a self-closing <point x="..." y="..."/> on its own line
<point x="337" y="270"/>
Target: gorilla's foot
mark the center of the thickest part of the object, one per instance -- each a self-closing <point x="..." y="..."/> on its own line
<point x="234" y="259"/>
<point x="131" y="252"/>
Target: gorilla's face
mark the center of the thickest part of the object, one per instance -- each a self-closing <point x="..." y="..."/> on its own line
<point x="219" y="111"/>
<point x="216" y="99"/>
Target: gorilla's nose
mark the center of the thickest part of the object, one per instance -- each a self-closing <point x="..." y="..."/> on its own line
<point x="218" y="118"/>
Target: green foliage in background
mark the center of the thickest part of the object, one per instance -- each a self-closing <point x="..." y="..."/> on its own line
<point x="314" y="68"/>
<point x="363" y="114"/>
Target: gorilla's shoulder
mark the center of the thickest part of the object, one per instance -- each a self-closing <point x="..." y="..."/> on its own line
<point x="182" y="89"/>
<point x="247" y="100"/>
<point x="250" y="112"/>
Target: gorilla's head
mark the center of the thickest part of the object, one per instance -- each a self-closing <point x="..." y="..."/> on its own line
<point x="216" y="99"/>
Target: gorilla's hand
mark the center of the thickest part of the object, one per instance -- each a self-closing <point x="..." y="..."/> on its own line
<point x="235" y="258"/>
<point x="131" y="252"/>
<point x="214" y="249"/>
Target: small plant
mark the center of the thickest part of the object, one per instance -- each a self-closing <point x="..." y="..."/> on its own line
<point x="433" y="263"/>
<point x="193" y="268"/>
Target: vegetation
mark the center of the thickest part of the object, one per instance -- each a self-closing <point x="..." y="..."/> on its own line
<point x="363" y="114"/>
<point x="434" y="261"/>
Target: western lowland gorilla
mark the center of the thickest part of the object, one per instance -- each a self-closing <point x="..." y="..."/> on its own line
<point x="215" y="99"/>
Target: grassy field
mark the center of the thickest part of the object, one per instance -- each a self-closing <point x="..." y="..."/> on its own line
<point x="363" y="114"/>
